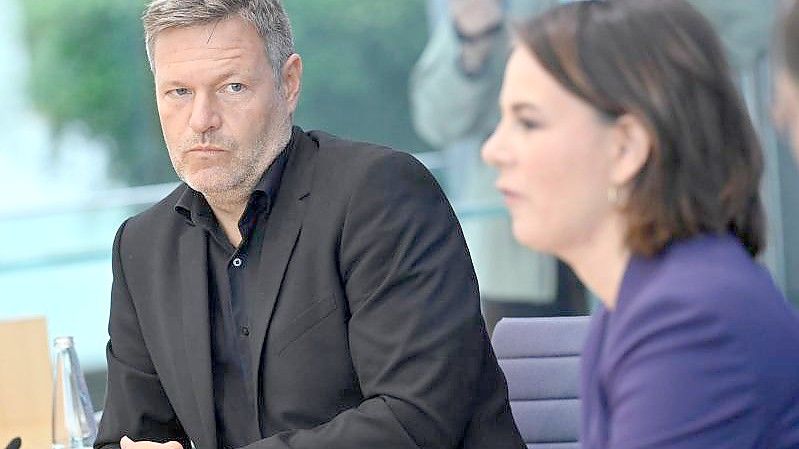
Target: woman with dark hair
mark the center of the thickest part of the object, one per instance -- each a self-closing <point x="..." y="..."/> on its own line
<point x="625" y="150"/>
<point x="788" y="74"/>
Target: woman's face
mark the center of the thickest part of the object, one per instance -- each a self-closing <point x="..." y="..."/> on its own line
<point x="554" y="154"/>
<point x="787" y="107"/>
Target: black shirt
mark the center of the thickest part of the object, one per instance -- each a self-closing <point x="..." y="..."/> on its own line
<point x="232" y="276"/>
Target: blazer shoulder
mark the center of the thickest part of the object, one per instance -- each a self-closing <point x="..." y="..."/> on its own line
<point x="713" y="272"/>
<point x="162" y="209"/>
<point x="145" y="225"/>
<point x="708" y="302"/>
<point x="712" y="287"/>
<point x="352" y="164"/>
<point x="353" y="155"/>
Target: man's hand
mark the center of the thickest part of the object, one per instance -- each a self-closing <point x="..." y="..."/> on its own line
<point x="127" y="443"/>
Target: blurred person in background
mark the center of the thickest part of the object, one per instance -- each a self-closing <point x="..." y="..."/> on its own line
<point x="298" y="290"/>
<point x="787" y="74"/>
<point x="453" y="90"/>
<point x="625" y="150"/>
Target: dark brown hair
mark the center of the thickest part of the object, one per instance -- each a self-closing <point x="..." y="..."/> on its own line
<point x="661" y="61"/>
<point x="789" y="39"/>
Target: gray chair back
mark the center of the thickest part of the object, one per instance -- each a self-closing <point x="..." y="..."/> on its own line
<point x="541" y="361"/>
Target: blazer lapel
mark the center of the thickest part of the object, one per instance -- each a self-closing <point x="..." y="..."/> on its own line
<point x="196" y="328"/>
<point x="282" y="230"/>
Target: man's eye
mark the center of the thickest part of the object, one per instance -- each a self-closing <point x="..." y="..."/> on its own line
<point x="235" y="87"/>
<point x="180" y="91"/>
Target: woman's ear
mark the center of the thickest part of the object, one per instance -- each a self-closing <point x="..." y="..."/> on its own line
<point x="633" y="147"/>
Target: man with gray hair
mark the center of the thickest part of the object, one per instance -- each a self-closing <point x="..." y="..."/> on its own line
<point x="297" y="290"/>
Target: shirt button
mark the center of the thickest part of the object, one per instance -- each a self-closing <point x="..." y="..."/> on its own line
<point x="237" y="262"/>
<point x="245" y="331"/>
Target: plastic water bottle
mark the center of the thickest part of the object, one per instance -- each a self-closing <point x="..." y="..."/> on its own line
<point x="74" y="426"/>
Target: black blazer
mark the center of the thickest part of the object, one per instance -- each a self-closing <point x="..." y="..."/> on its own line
<point x="368" y="331"/>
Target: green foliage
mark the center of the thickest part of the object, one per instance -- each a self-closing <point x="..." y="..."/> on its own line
<point x="358" y="56"/>
<point x="88" y="65"/>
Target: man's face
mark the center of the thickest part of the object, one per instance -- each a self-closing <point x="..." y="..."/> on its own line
<point x="223" y="117"/>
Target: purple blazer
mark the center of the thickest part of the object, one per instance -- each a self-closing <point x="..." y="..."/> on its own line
<point x="701" y="351"/>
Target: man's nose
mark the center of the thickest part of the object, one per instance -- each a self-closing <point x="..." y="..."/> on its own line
<point x="204" y="115"/>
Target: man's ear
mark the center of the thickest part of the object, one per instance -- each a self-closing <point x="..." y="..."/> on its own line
<point x="633" y="148"/>
<point x="292" y="81"/>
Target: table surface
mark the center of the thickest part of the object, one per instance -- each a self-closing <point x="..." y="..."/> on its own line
<point x="33" y="436"/>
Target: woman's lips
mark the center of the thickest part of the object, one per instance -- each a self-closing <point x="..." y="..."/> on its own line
<point x="509" y="195"/>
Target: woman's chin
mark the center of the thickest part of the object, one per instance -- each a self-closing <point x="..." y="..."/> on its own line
<point x="530" y="237"/>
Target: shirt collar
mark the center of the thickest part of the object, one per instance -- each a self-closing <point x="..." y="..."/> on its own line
<point x="192" y="204"/>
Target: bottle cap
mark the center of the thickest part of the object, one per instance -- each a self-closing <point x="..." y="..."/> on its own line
<point x="63" y="342"/>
